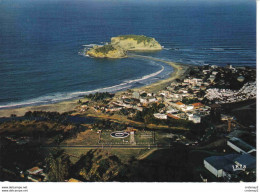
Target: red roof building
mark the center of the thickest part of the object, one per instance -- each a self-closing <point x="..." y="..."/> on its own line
<point x="197" y="105"/>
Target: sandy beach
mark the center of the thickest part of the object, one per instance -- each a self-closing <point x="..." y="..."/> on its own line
<point x="65" y="106"/>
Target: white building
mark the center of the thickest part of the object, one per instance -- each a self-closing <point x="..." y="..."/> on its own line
<point x="240" y="146"/>
<point x="187" y="108"/>
<point x="160" y="116"/>
<point x="195" y="118"/>
<point x="218" y="164"/>
<point x="225" y="166"/>
<point x="179" y="105"/>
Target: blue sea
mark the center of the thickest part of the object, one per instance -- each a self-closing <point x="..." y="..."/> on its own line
<point x="41" y="43"/>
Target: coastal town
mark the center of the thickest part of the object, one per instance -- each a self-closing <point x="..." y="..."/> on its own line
<point x="207" y="112"/>
<point x="194" y="98"/>
<point x="200" y="123"/>
<point x="129" y="95"/>
<point x="188" y="99"/>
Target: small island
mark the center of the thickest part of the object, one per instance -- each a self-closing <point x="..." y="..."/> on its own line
<point x="119" y="46"/>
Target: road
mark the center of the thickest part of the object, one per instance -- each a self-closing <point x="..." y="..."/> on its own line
<point x="110" y="146"/>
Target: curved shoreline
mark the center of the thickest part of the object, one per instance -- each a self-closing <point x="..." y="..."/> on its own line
<point x="178" y="73"/>
<point x="69" y="105"/>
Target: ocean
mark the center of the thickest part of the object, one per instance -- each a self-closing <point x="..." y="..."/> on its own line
<point x="41" y="43"/>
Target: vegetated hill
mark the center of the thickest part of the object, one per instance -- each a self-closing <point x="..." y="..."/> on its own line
<point x="165" y="165"/>
<point x="97" y="165"/>
<point x="119" y="46"/>
<point x="108" y="51"/>
<point x="136" y="42"/>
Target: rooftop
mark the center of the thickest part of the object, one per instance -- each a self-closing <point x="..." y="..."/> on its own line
<point x="241" y="144"/>
<point x="180" y="103"/>
<point x="219" y="162"/>
<point x="197" y="104"/>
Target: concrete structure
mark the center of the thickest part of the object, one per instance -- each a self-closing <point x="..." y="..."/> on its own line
<point x="132" y="138"/>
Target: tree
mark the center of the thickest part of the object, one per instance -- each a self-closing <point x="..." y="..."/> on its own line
<point x="58" y="167"/>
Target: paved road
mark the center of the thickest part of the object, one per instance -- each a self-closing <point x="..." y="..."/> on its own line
<point x="110" y="146"/>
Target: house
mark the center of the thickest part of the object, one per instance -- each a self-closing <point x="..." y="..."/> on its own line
<point x="214" y="66"/>
<point x="73" y="180"/>
<point x="206" y="71"/>
<point x="195" y="118"/>
<point x="138" y="108"/>
<point x="35" y="171"/>
<point x="160" y="116"/>
<point x="171" y="110"/>
<point x="172" y="116"/>
<point x="214" y="73"/>
<point x="143" y="100"/>
<point x="197" y="105"/>
<point x="179" y="105"/>
<point x="187" y="108"/>
<point x="240" y="146"/>
<point x="136" y="95"/>
<point x="151" y="100"/>
<point x="36" y="174"/>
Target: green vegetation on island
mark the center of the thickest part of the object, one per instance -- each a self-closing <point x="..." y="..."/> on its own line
<point x="105" y="49"/>
<point x="119" y="46"/>
<point x="138" y="38"/>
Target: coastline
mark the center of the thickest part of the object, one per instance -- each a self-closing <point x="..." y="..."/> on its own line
<point x="178" y="73"/>
<point x="66" y="106"/>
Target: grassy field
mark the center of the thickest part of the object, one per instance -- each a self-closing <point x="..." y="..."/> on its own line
<point x="123" y="154"/>
<point x="141" y="137"/>
<point x="107" y="139"/>
<point x="88" y="137"/>
<point x="144" y="137"/>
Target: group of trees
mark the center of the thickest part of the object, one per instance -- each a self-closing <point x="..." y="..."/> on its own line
<point x="146" y="115"/>
<point x="58" y="166"/>
<point x="95" y="165"/>
<point x="107" y="124"/>
<point x="54" y="125"/>
<point x="99" y="165"/>
<point x="49" y="116"/>
<point x="100" y="96"/>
